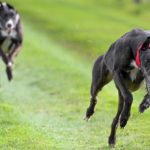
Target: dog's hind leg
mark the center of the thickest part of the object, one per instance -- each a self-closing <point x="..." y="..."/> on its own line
<point x="112" y="137"/>
<point x="99" y="79"/>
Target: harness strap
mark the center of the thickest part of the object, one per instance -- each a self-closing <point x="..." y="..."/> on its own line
<point x="138" y="61"/>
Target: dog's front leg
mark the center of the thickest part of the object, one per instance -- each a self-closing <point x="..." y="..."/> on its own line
<point x="127" y="96"/>
<point x="8" y="59"/>
<point x="8" y="63"/>
<point x="14" y="51"/>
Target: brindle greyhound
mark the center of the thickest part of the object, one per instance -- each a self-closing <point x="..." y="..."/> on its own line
<point x="127" y="62"/>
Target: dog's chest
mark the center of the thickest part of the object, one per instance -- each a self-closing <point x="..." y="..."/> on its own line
<point x="12" y="34"/>
<point x="133" y="73"/>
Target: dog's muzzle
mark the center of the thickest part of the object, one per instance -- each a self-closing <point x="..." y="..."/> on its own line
<point x="9" y="26"/>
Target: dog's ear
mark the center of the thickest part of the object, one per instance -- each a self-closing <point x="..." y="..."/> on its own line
<point x="10" y="6"/>
<point x="1" y="5"/>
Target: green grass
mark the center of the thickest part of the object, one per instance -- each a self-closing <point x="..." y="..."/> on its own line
<point x="43" y="107"/>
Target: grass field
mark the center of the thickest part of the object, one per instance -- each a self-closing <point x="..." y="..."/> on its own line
<point x="43" y="107"/>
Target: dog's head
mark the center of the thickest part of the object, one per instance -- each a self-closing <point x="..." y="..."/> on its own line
<point x="9" y="17"/>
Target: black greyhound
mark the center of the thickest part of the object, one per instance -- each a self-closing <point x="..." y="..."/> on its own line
<point x="127" y="62"/>
<point x="10" y="35"/>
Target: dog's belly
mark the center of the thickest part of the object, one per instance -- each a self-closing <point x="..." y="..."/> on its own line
<point x="133" y="78"/>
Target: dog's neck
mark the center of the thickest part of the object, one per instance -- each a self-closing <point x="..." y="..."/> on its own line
<point x="137" y="59"/>
<point x="134" y="64"/>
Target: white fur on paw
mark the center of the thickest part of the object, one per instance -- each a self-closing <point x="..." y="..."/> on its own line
<point x="9" y="64"/>
<point x="86" y="118"/>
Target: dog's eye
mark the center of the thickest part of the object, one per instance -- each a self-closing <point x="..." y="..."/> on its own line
<point x="12" y="14"/>
<point x="5" y="15"/>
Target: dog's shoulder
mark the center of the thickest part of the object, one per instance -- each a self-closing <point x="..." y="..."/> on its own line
<point x="136" y="31"/>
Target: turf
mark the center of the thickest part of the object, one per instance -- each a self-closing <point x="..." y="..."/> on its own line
<point x="43" y="107"/>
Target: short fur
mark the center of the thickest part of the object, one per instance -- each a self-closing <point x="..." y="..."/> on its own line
<point x="118" y="64"/>
<point x="10" y="35"/>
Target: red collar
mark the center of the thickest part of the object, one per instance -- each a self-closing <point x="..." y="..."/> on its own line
<point x="138" y="62"/>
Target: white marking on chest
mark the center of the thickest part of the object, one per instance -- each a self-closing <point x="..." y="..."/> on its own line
<point x="12" y="34"/>
<point x="133" y="63"/>
<point x="134" y="71"/>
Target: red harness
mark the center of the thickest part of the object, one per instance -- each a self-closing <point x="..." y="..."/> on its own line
<point x="137" y="59"/>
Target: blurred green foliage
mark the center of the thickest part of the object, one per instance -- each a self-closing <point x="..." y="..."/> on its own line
<point x="85" y="25"/>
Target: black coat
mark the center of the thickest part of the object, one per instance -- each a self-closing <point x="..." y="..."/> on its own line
<point x="124" y="50"/>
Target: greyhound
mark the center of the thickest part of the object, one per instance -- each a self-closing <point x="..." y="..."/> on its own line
<point x="127" y="62"/>
<point x="10" y="35"/>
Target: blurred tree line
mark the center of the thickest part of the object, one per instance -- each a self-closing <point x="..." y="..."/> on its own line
<point x="137" y="1"/>
<point x="140" y="1"/>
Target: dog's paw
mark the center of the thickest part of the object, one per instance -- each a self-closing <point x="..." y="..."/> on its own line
<point x="145" y="104"/>
<point x="9" y="73"/>
<point x="111" y="142"/>
<point x="89" y="113"/>
<point x="124" y="118"/>
<point x="142" y="108"/>
<point x="123" y="122"/>
<point x="86" y="118"/>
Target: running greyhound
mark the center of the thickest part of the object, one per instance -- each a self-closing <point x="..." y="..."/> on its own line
<point x="10" y="35"/>
<point x="127" y="62"/>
